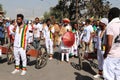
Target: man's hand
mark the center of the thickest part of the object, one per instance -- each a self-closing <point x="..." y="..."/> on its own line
<point x="105" y="55"/>
<point x="89" y="43"/>
<point x="38" y="39"/>
<point x="43" y="39"/>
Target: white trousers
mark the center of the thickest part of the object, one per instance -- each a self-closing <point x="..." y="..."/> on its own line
<point x="49" y="46"/>
<point x="100" y="59"/>
<point x="20" y="52"/>
<point x="74" y="50"/>
<point x="111" y="69"/>
<point x="67" y="56"/>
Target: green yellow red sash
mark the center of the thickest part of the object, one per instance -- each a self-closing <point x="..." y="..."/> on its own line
<point x="23" y="37"/>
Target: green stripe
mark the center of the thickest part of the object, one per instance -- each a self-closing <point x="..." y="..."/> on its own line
<point x="22" y="35"/>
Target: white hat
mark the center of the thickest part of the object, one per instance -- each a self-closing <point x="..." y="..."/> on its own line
<point x="104" y="20"/>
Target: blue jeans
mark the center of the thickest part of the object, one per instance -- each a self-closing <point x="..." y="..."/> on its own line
<point x="36" y="43"/>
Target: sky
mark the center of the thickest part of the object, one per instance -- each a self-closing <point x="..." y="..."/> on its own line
<point x="30" y="8"/>
<point x="115" y="3"/>
<point x="34" y="8"/>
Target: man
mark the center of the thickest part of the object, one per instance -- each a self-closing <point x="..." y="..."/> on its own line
<point x="101" y="42"/>
<point x="20" y="43"/>
<point x="111" y="67"/>
<point x="30" y="26"/>
<point x="56" y="34"/>
<point x="2" y="35"/>
<point x="6" y="24"/>
<point x="74" y="48"/>
<point x="37" y="29"/>
<point x="87" y="37"/>
<point x="64" y="49"/>
<point x="48" y="35"/>
<point x="11" y="31"/>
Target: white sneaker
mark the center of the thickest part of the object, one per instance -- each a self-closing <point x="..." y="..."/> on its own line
<point x="97" y="76"/>
<point x="23" y="72"/>
<point x="15" y="71"/>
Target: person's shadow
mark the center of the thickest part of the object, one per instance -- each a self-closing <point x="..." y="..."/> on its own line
<point x="86" y="67"/>
<point x="81" y="77"/>
<point x="3" y="60"/>
<point x="57" y="56"/>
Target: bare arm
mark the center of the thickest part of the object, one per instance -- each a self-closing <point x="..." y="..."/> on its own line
<point x="91" y="36"/>
<point x="108" y="45"/>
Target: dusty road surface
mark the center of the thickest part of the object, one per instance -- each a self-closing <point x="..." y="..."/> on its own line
<point x="54" y="70"/>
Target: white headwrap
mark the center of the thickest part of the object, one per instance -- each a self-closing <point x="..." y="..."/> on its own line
<point x="104" y="20"/>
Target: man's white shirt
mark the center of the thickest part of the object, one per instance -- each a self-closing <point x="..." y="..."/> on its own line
<point x="11" y="28"/>
<point x="46" y="32"/>
<point x="18" y="36"/>
<point x="36" y="30"/>
<point x="87" y="33"/>
<point x="113" y="28"/>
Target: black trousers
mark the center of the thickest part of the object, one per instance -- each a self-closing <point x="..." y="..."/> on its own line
<point x="2" y="40"/>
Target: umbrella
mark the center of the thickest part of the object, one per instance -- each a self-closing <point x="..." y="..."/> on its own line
<point x="68" y="39"/>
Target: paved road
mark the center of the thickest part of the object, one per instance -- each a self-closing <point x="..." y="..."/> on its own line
<point x="54" y="70"/>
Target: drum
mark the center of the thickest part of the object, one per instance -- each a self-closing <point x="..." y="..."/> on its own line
<point x="68" y="39"/>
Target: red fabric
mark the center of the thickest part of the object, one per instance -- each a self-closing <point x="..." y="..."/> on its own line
<point x="66" y="20"/>
<point x="8" y="32"/>
<point x="12" y="38"/>
<point x="68" y="39"/>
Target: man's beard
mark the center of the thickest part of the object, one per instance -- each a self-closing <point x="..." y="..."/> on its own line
<point x="48" y="25"/>
<point x="19" y="24"/>
<point x="65" y="25"/>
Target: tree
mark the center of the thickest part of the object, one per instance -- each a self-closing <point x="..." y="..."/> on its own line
<point x="46" y="15"/>
<point x="97" y="8"/>
<point x="1" y="8"/>
<point x="75" y="9"/>
<point x="60" y="11"/>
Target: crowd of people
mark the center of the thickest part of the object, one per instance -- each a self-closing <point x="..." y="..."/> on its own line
<point x="92" y="36"/>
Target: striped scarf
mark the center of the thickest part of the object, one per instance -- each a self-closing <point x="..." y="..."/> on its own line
<point x="51" y="35"/>
<point x="23" y="37"/>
